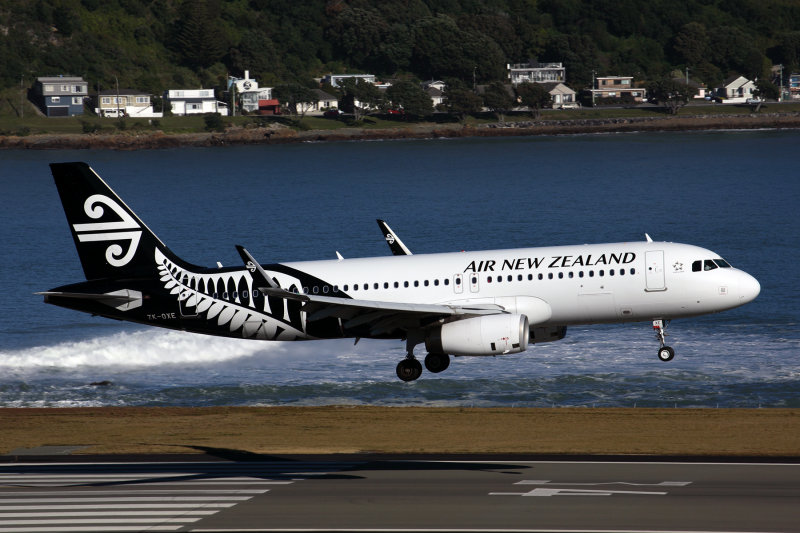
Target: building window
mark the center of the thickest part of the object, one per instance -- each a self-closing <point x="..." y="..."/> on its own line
<point x="55" y="100"/>
<point x="78" y="89"/>
<point x="49" y="88"/>
<point x="77" y="100"/>
<point x="105" y="100"/>
<point x="142" y="99"/>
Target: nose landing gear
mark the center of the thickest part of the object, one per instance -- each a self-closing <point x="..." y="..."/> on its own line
<point x="665" y="353"/>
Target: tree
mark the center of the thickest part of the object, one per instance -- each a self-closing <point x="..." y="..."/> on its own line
<point x="460" y="100"/>
<point x="533" y="96"/>
<point x="359" y="96"/>
<point x="497" y="98"/>
<point x="672" y="93"/>
<point x="409" y="96"/>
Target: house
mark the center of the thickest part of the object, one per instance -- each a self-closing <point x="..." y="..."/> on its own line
<point x="124" y="103"/>
<point x="535" y="72"/>
<point x="250" y="97"/>
<point x="334" y="79"/>
<point x="563" y="97"/>
<point x="617" y="87"/>
<point x="736" y="89"/>
<point x="60" y="96"/>
<point x="794" y="86"/>
<point x="435" y="90"/>
<point x="194" y="102"/>
<point x="323" y="101"/>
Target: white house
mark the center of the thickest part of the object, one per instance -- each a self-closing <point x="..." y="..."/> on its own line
<point x="194" y="102"/>
<point x="322" y="102"/>
<point x="334" y="79"/>
<point x="736" y="89"/>
<point x="563" y="97"/>
<point x="124" y="102"/>
<point x="248" y="93"/>
<point x="435" y="90"/>
<point x="535" y="72"/>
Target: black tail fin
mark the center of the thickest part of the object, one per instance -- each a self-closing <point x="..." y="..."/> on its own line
<point x="112" y="241"/>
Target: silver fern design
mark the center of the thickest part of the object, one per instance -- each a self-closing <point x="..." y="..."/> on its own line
<point x="227" y="300"/>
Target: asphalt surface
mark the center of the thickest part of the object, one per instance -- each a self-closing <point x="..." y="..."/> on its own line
<point x="372" y="493"/>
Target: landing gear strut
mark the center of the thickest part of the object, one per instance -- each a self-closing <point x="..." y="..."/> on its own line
<point x="665" y="353"/>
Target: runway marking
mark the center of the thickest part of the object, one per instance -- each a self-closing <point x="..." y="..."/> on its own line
<point x="130" y="502"/>
<point x="544" y="492"/>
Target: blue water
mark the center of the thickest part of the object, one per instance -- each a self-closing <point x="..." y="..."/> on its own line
<point x="736" y="193"/>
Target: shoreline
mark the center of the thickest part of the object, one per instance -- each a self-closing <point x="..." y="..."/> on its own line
<point x="414" y="430"/>
<point x="276" y="134"/>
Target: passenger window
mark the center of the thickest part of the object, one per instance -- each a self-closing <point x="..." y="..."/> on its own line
<point x="446" y="281"/>
<point x="541" y="277"/>
<point x="580" y="274"/>
<point x="633" y="271"/>
<point x="426" y="283"/>
<point x="602" y="273"/>
<point x="550" y="275"/>
<point x="499" y="279"/>
<point x="591" y="273"/>
<point x="697" y="266"/>
<point x="375" y="286"/>
<point x="611" y="272"/>
<point x="316" y="289"/>
<point x="621" y="271"/>
<point x="355" y="286"/>
<point x="325" y="289"/>
<point x="571" y="275"/>
<point x="416" y="283"/>
<point x="385" y="284"/>
<point x="346" y="287"/>
<point x="436" y="282"/>
<point x="530" y="277"/>
<point x="488" y="279"/>
<point x="335" y="288"/>
<point x="560" y="275"/>
<point x="396" y="285"/>
<point x="405" y="284"/>
<point x="474" y="280"/>
<point x="510" y="277"/>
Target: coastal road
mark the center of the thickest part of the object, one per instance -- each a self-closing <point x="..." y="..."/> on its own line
<point x="364" y="492"/>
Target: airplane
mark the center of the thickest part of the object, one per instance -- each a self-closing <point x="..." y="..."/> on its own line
<point x="482" y="303"/>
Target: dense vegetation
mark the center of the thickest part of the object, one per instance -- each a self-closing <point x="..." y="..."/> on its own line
<point x="155" y="44"/>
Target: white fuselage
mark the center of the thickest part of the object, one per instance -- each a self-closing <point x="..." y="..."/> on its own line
<point x="583" y="284"/>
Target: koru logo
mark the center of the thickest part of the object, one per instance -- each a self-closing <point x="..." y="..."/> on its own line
<point x="110" y="231"/>
<point x="390" y="238"/>
<point x="251" y="267"/>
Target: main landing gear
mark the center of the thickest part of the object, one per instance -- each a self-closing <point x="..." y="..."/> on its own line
<point x="665" y="353"/>
<point x="410" y="368"/>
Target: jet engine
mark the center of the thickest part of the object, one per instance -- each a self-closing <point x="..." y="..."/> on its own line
<point x="484" y="335"/>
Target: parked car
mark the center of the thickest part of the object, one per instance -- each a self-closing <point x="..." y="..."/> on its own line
<point x="333" y="113"/>
<point x="753" y="101"/>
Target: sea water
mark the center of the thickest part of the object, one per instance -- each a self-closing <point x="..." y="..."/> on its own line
<point x="736" y="193"/>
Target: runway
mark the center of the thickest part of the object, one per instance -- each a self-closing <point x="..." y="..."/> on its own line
<point x="382" y="493"/>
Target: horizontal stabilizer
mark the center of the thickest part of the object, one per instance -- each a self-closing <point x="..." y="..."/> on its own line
<point x="124" y="299"/>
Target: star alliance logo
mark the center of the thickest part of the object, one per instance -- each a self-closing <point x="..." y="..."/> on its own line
<point x="677" y="266"/>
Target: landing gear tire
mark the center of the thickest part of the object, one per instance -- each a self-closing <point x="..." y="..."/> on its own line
<point x="437" y="362"/>
<point x="665" y="353"/>
<point x="409" y="369"/>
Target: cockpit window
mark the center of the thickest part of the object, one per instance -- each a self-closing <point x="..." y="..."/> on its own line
<point x="708" y="264"/>
<point x="722" y="263"/>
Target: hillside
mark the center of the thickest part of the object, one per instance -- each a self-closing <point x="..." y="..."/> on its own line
<point x="151" y="45"/>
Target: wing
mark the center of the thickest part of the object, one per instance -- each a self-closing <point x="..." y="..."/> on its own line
<point x="380" y="317"/>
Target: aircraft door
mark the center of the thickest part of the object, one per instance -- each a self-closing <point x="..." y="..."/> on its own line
<point x="474" y="283"/>
<point x="654" y="271"/>
<point x="458" y="283"/>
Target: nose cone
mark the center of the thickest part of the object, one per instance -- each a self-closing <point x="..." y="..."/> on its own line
<point x="749" y="288"/>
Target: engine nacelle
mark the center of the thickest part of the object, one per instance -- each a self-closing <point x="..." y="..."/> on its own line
<point x="547" y="334"/>
<point x="484" y="335"/>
